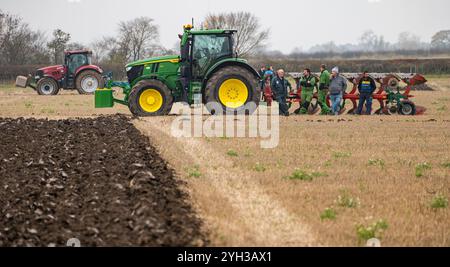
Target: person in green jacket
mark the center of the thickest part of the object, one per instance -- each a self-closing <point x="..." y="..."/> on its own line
<point x="307" y="85"/>
<point x="324" y="85"/>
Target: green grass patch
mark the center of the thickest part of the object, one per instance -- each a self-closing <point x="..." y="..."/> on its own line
<point x="421" y="168"/>
<point x="328" y="214"/>
<point x="439" y="202"/>
<point x="194" y="172"/>
<point x="376" y="162"/>
<point x="305" y="176"/>
<point x="28" y="104"/>
<point x="259" y="167"/>
<point x="446" y="164"/>
<point x="341" y="155"/>
<point x="232" y="153"/>
<point x="442" y="108"/>
<point x="374" y="230"/>
<point x="48" y="111"/>
<point x="345" y="200"/>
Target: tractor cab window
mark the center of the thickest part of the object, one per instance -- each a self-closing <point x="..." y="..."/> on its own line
<point x="207" y="49"/>
<point x="76" y="61"/>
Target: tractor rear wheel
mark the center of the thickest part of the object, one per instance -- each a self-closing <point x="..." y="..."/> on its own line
<point x="233" y="88"/>
<point x="88" y="81"/>
<point x="150" y="98"/>
<point x="47" y="86"/>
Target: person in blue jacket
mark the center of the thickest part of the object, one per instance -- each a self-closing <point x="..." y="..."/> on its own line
<point x="366" y="89"/>
<point x="280" y="87"/>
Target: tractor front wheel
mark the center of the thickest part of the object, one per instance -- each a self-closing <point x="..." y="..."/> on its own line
<point x="47" y="86"/>
<point x="150" y="98"/>
<point x="235" y="89"/>
<point x="88" y="81"/>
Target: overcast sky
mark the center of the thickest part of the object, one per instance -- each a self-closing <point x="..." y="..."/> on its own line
<point x="293" y="23"/>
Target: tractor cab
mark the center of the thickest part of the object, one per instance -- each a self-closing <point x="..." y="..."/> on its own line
<point x="201" y="49"/>
<point x="73" y="61"/>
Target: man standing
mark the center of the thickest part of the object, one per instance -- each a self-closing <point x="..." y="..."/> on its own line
<point x="266" y="85"/>
<point x="324" y="85"/>
<point x="307" y="84"/>
<point x="279" y="88"/>
<point x="338" y="85"/>
<point x="262" y="72"/>
<point x="269" y="73"/>
<point x="366" y="88"/>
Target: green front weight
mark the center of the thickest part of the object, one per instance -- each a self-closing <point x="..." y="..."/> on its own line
<point x="104" y="98"/>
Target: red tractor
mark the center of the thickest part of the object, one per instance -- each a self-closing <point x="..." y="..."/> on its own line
<point x="76" y="73"/>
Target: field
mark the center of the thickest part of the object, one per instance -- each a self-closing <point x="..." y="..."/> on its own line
<point x="330" y="182"/>
<point x="55" y="187"/>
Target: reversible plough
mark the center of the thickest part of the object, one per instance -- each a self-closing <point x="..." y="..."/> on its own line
<point x="392" y="97"/>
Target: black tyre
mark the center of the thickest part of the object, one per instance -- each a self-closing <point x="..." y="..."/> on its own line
<point x="407" y="108"/>
<point x="150" y="98"/>
<point x="88" y="81"/>
<point x="233" y="88"/>
<point x="47" y="86"/>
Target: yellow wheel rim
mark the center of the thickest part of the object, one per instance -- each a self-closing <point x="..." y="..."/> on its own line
<point x="233" y="93"/>
<point x="151" y="100"/>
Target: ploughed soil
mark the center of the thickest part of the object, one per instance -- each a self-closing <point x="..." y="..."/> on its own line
<point x="98" y="180"/>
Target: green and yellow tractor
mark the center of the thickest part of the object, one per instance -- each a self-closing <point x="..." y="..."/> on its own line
<point x="207" y="71"/>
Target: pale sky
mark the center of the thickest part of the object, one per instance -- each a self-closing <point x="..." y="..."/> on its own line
<point x="293" y="23"/>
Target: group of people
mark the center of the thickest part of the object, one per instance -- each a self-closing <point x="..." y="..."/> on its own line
<point x="332" y="85"/>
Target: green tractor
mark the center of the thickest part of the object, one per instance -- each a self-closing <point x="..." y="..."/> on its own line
<point x="207" y="71"/>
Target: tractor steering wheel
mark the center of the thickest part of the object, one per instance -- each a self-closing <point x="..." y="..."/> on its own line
<point x="206" y="52"/>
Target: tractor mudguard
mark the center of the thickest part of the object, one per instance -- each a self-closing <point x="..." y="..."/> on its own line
<point x="230" y="62"/>
<point x="88" y="67"/>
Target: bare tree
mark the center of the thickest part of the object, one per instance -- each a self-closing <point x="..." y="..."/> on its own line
<point x="136" y="38"/>
<point x="441" y="40"/>
<point x="104" y="49"/>
<point x="75" y="46"/>
<point x="369" y="41"/>
<point x="408" y="41"/>
<point x="18" y="43"/>
<point x="58" y="44"/>
<point x="250" y="36"/>
<point x="39" y="53"/>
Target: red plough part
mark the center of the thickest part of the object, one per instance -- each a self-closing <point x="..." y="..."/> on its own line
<point x="390" y="95"/>
<point x="267" y="92"/>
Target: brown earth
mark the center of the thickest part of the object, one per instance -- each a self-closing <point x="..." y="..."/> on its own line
<point x="97" y="180"/>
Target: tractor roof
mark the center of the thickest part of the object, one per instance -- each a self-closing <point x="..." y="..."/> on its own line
<point x="73" y="52"/>
<point x="215" y="31"/>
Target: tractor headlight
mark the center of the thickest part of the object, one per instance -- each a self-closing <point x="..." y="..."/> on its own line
<point x="127" y="69"/>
